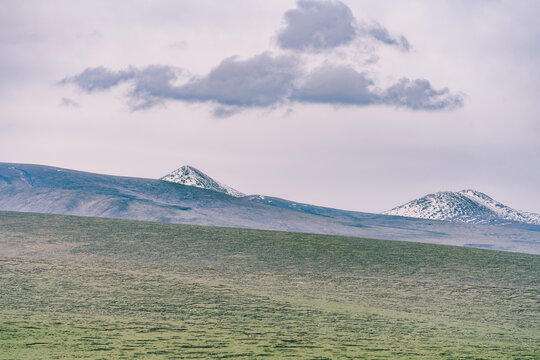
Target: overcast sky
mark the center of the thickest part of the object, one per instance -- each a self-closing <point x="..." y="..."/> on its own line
<point x="361" y="105"/>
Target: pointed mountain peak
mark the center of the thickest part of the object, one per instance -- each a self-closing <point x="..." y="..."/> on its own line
<point x="191" y="176"/>
<point x="470" y="206"/>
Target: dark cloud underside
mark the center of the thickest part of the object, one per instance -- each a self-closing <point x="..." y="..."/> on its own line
<point x="335" y="85"/>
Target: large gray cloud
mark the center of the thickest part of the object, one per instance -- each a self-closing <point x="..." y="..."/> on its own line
<point x="267" y="80"/>
<point x="262" y="81"/>
<point x="318" y="25"/>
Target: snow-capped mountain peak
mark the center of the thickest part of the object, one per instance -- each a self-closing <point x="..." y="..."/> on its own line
<point x="188" y="175"/>
<point x="468" y="206"/>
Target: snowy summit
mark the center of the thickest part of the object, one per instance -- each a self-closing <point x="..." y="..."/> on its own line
<point x="468" y="206"/>
<point x="188" y="175"/>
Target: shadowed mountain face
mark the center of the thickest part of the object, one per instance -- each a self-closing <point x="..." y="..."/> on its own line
<point x="35" y="188"/>
<point x="468" y="206"/>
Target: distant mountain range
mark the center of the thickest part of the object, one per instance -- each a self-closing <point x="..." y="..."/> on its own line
<point x="44" y="189"/>
<point x="468" y="206"/>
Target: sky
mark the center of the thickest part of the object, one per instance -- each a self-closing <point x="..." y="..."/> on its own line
<point x="360" y="105"/>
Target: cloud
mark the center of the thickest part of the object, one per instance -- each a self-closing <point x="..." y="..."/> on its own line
<point x="152" y="85"/>
<point x="378" y="32"/>
<point x="149" y="85"/>
<point x="317" y="25"/>
<point x="419" y="95"/>
<point x="322" y="25"/>
<point x="67" y="102"/>
<point x="342" y="85"/>
<point x="226" y="111"/>
<point x="265" y="81"/>
<point x="335" y="85"/>
<point x="262" y="80"/>
<point x="98" y="78"/>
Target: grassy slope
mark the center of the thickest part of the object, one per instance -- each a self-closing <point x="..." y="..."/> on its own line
<point x="99" y="288"/>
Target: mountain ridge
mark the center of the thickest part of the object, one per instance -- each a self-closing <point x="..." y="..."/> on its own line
<point x="468" y="205"/>
<point x="45" y="189"/>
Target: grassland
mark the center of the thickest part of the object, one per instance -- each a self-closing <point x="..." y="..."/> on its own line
<point x="73" y="287"/>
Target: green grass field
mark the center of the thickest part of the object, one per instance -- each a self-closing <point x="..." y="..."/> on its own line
<point x="73" y="287"/>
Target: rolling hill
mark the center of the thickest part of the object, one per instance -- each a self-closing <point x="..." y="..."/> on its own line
<point x="95" y="288"/>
